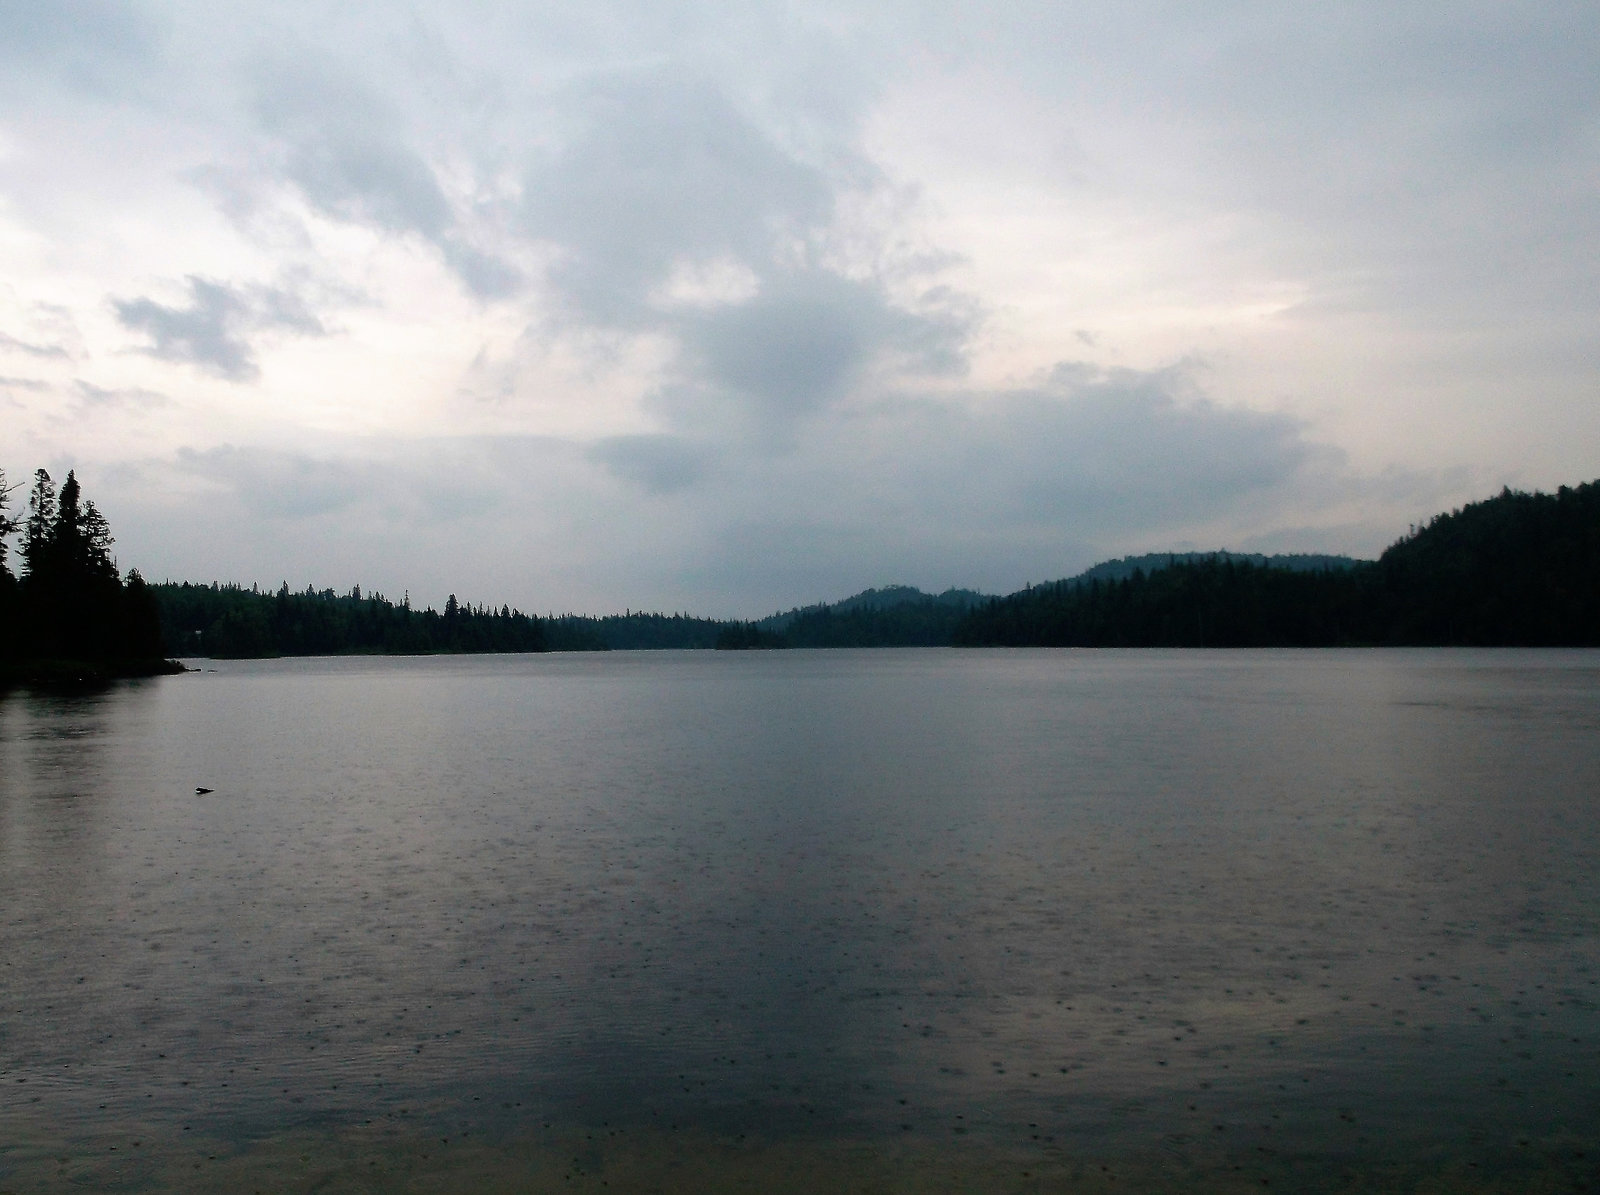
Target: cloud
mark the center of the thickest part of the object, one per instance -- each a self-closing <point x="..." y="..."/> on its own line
<point x="660" y="464"/>
<point x="127" y="396"/>
<point x="671" y="212"/>
<point x="800" y="343"/>
<point x="1376" y="225"/>
<point x="275" y="484"/>
<point x="29" y="348"/>
<point x="1114" y="449"/>
<point x="987" y="489"/>
<point x="212" y="331"/>
<point x="92" y="43"/>
<point x="993" y="488"/>
<point x="370" y="485"/>
<point x="347" y="151"/>
<point x="661" y="170"/>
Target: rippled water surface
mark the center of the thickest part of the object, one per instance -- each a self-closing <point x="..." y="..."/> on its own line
<point x="910" y="920"/>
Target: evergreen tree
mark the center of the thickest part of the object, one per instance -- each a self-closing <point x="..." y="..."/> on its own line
<point x="41" y="522"/>
<point x="66" y="536"/>
<point x="97" y="541"/>
<point x="10" y="615"/>
<point x="8" y="526"/>
<point x="70" y="615"/>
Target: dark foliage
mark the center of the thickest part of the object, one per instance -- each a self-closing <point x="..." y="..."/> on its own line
<point x="229" y="621"/>
<point x="924" y="623"/>
<point x="1520" y="569"/>
<point x="635" y="631"/>
<point x="890" y="597"/>
<point x="746" y="636"/>
<point x="70" y="614"/>
<point x="1517" y="569"/>
<point x="1295" y="562"/>
<point x="1213" y="603"/>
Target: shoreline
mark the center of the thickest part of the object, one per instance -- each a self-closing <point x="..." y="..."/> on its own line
<point x="82" y="673"/>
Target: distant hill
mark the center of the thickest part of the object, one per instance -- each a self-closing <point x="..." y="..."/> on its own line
<point x="886" y="598"/>
<point x="1294" y="562"/>
<point x="1516" y="569"/>
<point x="894" y="616"/>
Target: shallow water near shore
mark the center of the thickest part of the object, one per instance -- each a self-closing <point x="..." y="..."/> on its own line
<point x="909" y="920"/>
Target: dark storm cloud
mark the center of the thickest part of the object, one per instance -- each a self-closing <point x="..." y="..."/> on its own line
<point x="212" y="331"/>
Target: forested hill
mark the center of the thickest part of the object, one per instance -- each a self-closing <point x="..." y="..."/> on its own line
<point x="1294" y="562"/>
<point x="893" y="616"/>
<point x="1516" y="569"/>
<point x="887" y="598"/>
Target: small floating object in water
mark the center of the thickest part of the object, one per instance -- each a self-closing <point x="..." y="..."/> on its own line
<point x="200" y="792"/>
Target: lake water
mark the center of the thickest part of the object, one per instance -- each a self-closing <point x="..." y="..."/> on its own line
<point x="893" y="920"/>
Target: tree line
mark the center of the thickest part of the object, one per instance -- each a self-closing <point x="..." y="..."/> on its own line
<point x="1515" y="569"/>
<point x="1518" y="569"/>
<point x="66" y="611"/>
<point x="230" y="621"/>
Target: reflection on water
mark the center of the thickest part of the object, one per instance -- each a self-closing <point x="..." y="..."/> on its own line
<point x="920" y="919"/>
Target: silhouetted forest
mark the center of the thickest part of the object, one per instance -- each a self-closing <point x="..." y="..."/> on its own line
<point x="1294" y="562"/>
<point x="894" y="616"/>
<point x="747" y="636"/>
<point x="69" y="615"/>
<point x="916" y="623"/>
<point x="633" y="631"/>
<point x="224" y="621"/>
<point x="1516" y="569"/>
<point x="1206" y="603"/>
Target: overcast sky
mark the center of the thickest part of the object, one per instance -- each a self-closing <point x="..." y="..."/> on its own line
<point x="730" y="307"/>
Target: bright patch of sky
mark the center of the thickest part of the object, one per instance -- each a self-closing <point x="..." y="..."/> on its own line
<point x="732" y="307"/>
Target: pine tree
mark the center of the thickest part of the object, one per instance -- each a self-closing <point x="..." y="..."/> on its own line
<point x="70" y="605"/>
<point x="8" y="526"/>
<point x="38" y="529"/>
<point x="97" y="540"/>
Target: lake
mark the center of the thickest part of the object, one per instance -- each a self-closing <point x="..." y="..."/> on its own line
<point x="871" y="920"/>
